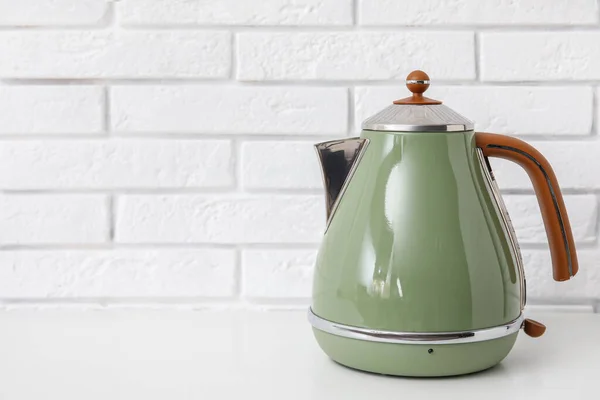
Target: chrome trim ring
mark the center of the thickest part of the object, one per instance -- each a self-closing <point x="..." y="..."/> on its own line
<point x="373" y="335"/>
<point x="418" y="128"/>
<point x="417" y="82"/>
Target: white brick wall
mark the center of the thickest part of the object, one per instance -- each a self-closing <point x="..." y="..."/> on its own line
<point x="115" y="163"/>
<point x="51" y="109"/>
<point x="540" y="56"/>
<point x="248" y="219"/>
<point x="290" y="165"/>
<point x="120" y="274"/>
<point x="54" y="218"/>
<point x="115" y="54"/>
<point x="235" y="12"/>
<point x="52" y="12"/>
<point x="161" y="150"/>
<point x="353" y="55"/>
<point x="268" y="274"/>
<point x="477" y="13"/>
<point x="228" y="109"/>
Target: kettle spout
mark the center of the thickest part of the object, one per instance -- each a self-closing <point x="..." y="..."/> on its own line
<point x="339" y="159"/>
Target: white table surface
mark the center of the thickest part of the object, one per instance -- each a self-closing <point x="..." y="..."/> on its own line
<point x="186" y="354"/>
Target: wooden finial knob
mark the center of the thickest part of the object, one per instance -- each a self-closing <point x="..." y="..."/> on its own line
<point x="417" y="82"/>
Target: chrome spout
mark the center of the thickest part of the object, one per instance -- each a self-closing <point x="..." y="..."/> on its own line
<point x="339" y="159"/>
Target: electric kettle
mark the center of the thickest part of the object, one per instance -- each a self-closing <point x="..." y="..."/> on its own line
<point x="419" y="272"/>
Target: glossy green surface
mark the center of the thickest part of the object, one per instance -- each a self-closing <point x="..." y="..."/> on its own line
<point x="415" y="359"/>
<point x="416" y="243"/>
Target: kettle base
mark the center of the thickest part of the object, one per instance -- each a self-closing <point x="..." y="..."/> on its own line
<point x="416" y="360"/>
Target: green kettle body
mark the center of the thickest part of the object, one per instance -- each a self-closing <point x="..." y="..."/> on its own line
<point x="419" y="272"/>
<point x="417" y="243"/>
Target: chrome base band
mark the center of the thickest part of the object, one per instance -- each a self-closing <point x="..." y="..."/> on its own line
<point x="372" y="335"/>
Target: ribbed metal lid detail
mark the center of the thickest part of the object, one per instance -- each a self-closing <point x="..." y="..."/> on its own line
<point x="417" y="113"/>
<point x="416" y="118"/>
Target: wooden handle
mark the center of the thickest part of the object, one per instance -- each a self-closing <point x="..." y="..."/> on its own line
<point x="552" y="206"/>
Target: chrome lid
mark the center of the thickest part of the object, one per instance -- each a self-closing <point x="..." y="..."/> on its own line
<point x="417" y="113"/>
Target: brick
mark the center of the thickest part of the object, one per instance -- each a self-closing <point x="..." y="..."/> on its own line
<point x="574" y="163"/>
<point x="236" y="12"/>
<point x="277" y="273"/>
<point x="354" y="55"/>
<point x="541" y="286"/>
<point x="527" y="220"/>
<point x="52" y="12"/>
<point x="540" y="56"/>
<point x="50" y="109"/>
<point x="51" y="219"/>
<point x="226" y="219"/>
<point x="509" y="110"/>
<point x="145" y="273"/>
<point x="227" y="109"/>
<point x="115" y="163"/>
<point x="473" y="12"/>
<point x="115" y="54"/>
<point x="288" y="165"/>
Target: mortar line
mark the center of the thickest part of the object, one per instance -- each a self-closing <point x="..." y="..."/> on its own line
<point x="113" y="13"/>
<point x="477" y="44"/>
<point x="382" y="28"/>
<point x="238" y="273"/>
<point x="232" y="136"/>
<point x="114" y="246"/>
<point x="246" y="137"/>
<point x="355" y="16"/>
<point x="106" y="111"/>
<point x="597" y="222"/>
<point x="191" y="136"/>
<point x="207" y="303"/>
<point x="273" y="191"/>
<point x="236" y="165"/>
<point x="286" y="83"/>
<point x="138" y="300"/>
<point x="110" y="16"/>
<point x="159" y="246"/>
<point x="595" y="111"/>
<point x="326" y="28"/>
<point x="351" y="111"/>
<point x="231" y="192"/>
<point x="278" y="301"/>
<point x="233" y="56"/>
<point x="111" y="218"/>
